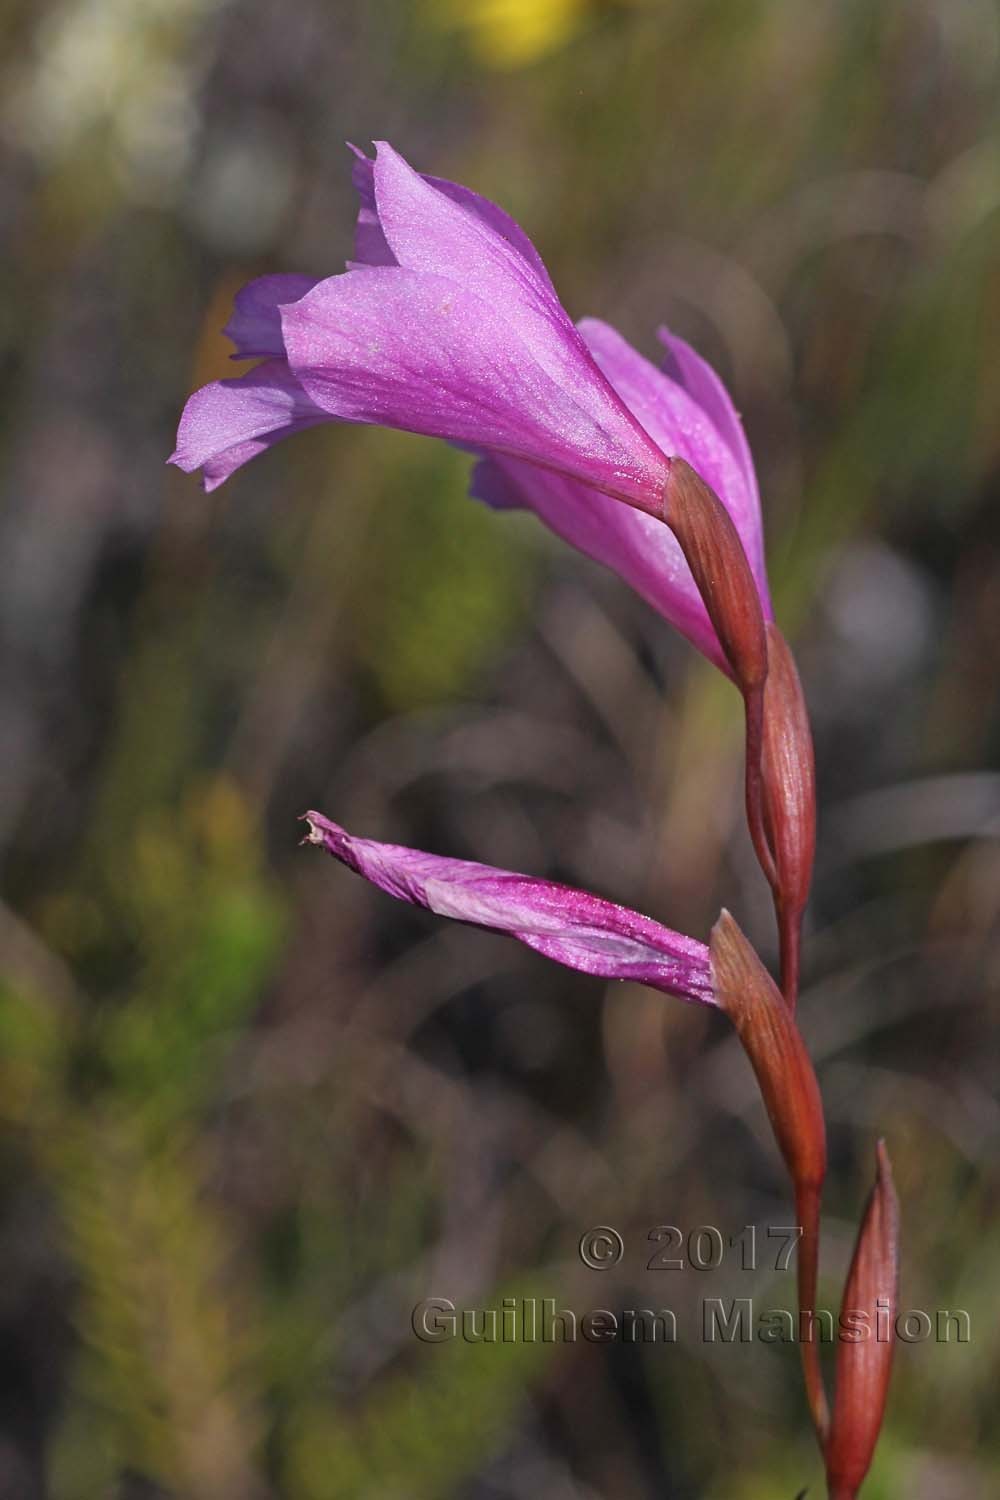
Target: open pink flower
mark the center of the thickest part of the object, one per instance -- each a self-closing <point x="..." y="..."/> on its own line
<point x="573" y="927"/>
<point x="446" y="323"/>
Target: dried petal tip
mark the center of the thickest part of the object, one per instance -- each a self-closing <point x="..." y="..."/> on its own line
<point x="867" y="1335"/>
<point x="752" y="1001"/>
<point x="313" y="834"/>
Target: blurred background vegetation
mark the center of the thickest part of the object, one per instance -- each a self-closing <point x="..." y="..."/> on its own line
<point x="252" y="1111"/>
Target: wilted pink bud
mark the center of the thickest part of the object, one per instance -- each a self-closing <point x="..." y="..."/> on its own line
<point x="789" y="779"/>
<point x="864" y="1362"/>
<point x="573" y="927"/>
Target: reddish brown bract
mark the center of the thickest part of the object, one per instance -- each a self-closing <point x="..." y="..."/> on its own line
<point x="714" y="553"/>
<point x="771" y="1040"/>
<point x="788" y="773"/>
<point x="864" y="1365"/>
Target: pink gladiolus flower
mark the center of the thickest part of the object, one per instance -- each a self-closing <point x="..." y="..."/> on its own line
<point x="573" y="927"/>
<point x="446" y="323"/>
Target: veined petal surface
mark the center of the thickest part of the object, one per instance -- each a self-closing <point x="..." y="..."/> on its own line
<point x="575" y="928"/>
<point x="420" y="351"/>
<point x="227" y="423"/>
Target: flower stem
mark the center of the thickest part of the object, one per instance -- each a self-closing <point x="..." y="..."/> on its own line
<point x="790" y="940"/>
<point x="807" y="1207"/>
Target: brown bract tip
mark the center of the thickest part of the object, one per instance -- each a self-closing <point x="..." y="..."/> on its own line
<point x="867" y="1336"/>
<point x="714" y="553"/>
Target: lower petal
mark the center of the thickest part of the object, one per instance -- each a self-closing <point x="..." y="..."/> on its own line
<point x="255" y="326"/>
<point x="676" y="419"/>
<point x="641" y="550"/>
<point x="229" y="422"/>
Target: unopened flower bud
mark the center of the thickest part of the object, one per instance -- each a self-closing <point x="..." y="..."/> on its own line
<point x="864" y="1361"/>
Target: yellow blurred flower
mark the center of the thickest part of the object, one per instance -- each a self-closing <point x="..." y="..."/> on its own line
<point x="513" y="33"/>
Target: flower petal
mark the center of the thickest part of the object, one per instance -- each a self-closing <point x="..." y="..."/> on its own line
<point x="255" y="326"/>
<point x="487" y="255"/>
<point x="461" y="236"/>
<point x="227" y="423"/>
<point x="419" y="351"/>
<point x="695" y="421"/>
<point x="492" y="482"/>
<point x="573" y="927"/>
<point x="686" y="368"/>
<point x="640" y="549"/>
<point x="680" y="425"/>
<point x="372" y="248"/>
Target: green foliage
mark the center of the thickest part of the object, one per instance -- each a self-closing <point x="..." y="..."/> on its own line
<point x="444" y="582"/>
<point x="422" y="1433"/>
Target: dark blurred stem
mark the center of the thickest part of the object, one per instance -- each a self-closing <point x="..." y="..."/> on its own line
<point x="753" y="701"/>
<point x="807" y="1202"/>
<point x="790" y="938"/>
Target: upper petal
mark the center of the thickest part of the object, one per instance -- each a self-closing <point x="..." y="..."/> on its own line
<point x="686" y="367"/>
<point x="255" y="326"/>
<point x="372" y="248"/>
<point x="481" y="249"/>
<point x="676" y="420"/>
<point x="430" y="225"/>
<point x="422" y="352"/>
<point x="229" y="422"/>
<point x="573" y="927"/>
